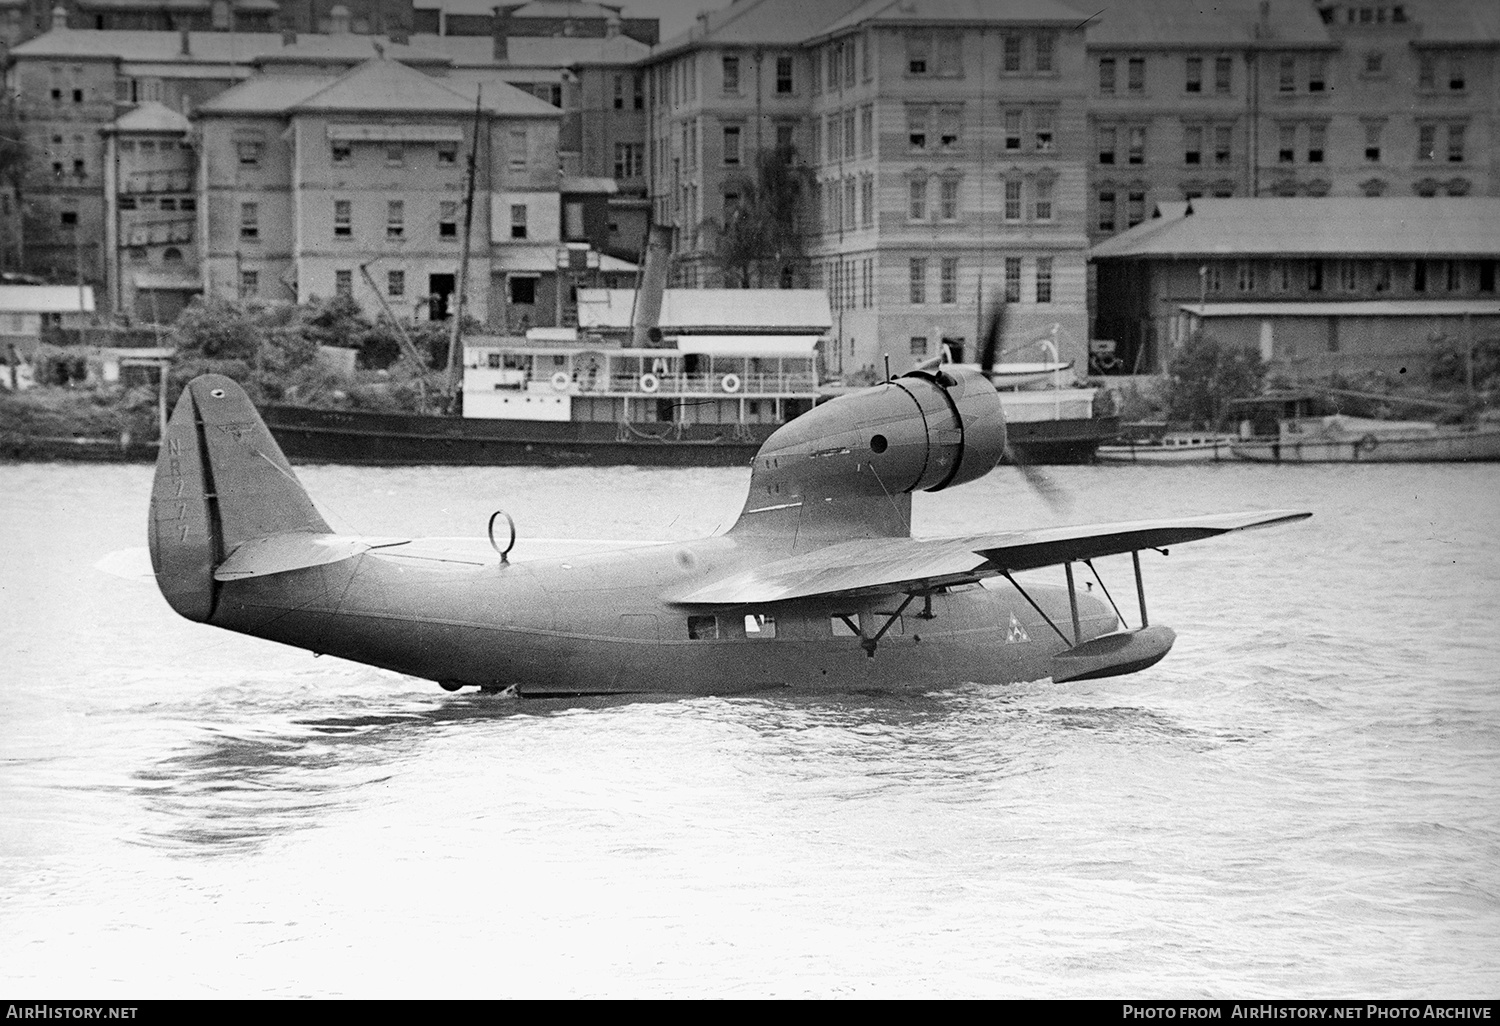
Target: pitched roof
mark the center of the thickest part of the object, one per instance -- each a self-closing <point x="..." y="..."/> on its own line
<point x="1337" y="226"/>
<point x="348" y="47"/>
<point x="152" y="117"/>
<point x="950" y="12"/>
<point x="157" y="47"/>
<point x="1194" y="23"/>
<point x="265" y="94"/>
<point x="386" y="85"/>
<point x="768" y="22"/>
<point x="1455" y="21"/>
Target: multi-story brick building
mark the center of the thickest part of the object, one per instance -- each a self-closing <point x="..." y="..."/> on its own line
<point x="312" y="183"/>
<point x="944" y="144"/>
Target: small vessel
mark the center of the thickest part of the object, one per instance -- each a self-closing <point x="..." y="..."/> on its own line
<point x="1277" y="428"/>
<point x="1151" y="443"/>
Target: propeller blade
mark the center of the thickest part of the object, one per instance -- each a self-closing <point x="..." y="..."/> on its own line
<point x="1048" y="490"/>
<point x="994" y="331"/>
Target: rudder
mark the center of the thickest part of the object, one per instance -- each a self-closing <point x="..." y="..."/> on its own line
<point x="221" y="480"/>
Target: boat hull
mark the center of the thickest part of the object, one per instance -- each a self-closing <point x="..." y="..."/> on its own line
<point x="1166" y="455"/>
<point x="1441" y="446"/>
<point x="310" y="435"/>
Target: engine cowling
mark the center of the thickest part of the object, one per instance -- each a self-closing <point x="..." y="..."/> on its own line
<point x="926" y="430"/>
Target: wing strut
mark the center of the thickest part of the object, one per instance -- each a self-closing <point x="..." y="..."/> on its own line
<point x="869" y="644"/>
<point x="1029" y="599"/>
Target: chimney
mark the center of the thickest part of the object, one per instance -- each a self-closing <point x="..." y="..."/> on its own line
<point x="59" y="18"/>
<point x="612" y="25"/>
<point x="500" y="34"/>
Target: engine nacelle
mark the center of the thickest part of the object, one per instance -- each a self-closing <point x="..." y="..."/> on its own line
<point x="926" y="430"/>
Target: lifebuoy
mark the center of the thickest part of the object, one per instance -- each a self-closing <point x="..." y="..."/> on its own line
<point x="561" y="381"/>
<point x="731" y="382"/>
<point x="649" y="383"/>
<point x="1369" y="443"/>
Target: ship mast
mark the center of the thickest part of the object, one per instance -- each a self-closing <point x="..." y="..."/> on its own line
<point x="456" y="328"/>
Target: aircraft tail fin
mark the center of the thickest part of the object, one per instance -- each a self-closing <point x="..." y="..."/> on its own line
<point x="221" y="481"/>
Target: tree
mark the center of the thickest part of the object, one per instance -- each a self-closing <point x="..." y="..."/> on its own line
<point x="1205" y="375"/>
<point x="761" y="235"/>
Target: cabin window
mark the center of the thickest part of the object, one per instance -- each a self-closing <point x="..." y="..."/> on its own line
<point x="702" y="628"/>
<point x="758" y="626"/>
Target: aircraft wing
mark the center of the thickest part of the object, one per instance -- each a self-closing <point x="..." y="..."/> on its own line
<point x="883" y="566"/>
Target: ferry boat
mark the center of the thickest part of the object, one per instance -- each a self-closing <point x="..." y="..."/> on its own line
<point x="552" y="398"/>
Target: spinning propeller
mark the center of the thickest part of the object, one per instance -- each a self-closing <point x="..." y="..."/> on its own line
<point x="1056" y="499"/>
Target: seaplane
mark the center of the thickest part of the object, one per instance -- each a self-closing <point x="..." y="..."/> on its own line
<point x="818" y="586"/>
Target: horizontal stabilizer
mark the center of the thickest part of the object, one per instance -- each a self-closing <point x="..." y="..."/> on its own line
<point x="296" y="550"/>
<point x="884" y="566"/>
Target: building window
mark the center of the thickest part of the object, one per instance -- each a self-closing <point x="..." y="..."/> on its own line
<point x="1223" y="144"/>
<point x="619" y="92"/>
<point x="1042" y="123"/>
<point x="1107" y="211"/>
<point x="849" y="124"/>
<point x="917" y="199"/>
<point x="731" y="74"/>
<point x="1453" y="273"/>
<point x="447" y="153"/>
<point x="1456" y="144"/>
<point x="1427" y="142"/>
<point x="395" y="154"/>
<point x="1374" y="63"/>
<point x="448" y="219"/>
<point x="249" y="283"/>
<point x="638" y="101"/>
<point x="1286" y="75"/>
<point x="395" y="219"/>
<point x="518" y="221"/>
<point x="1137" y="151"/>
<point x="1192" y="145"/>
<point x="1244" y="276"/>
<point x="850" y="192"/>
<point x="1107" y="142"/>
<point x="918" y="53"/>
<point x="1106" y="76"/>
<point x="1372" y="143"/>
<point x="1286" y="144"/>
<point x="916" y="127"/>
<point x="516" y="149"/>
<point x="249" y="221"/>
<point x="250" y="153"/>
<point x="1419" y="276"/>
<point x="1135" y="208"/>
<point x="919" y="345"/>
<point x="628" y="160"/>
<point x="1194" y="82"/>
<point x="784" y="75"/>
<point x="1426" y="71"/>
<point x="731" y="145"/>
<point x="917" y="271"/>
<point x="1223" y="75"/>
<point x="1012" y="279"/>
<point x="1213" y="277"/>
<point x="1012" y="130"/>
<point x="1317" y="140"/>
<point x="948" y="281"/>
<point x="1135" y="74"/>
<point x="867" y="130"/>
<point x="1315" y="276"/>
<point x="1011" y="53"/>
<point x="1349" y="275"/>
<point x="948" y="199"/>
<point x="1013" y="199"/>
<point x="1317" y="69"/>
<point x="342" y="152"/>
<point x="1486" y="276"/>
<point x="343" y="218"/>
<point x="1044" y="279"/>
<point x="1046" y="46"/>
<point x="343" y="284"/>
<point x="950" y="119"/>
<point x="867" y="200"/>
<point x="395" y="284"/>
<point x="1456" y="74"/>
<point x="1043" y="199"/>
